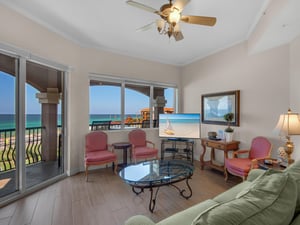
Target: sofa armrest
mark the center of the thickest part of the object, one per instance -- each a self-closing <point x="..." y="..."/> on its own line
<point x="254" y="173"/>
<point x="139" y="220"/>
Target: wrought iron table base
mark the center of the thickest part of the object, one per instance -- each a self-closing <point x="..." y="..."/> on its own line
<point x="153" y="197"/>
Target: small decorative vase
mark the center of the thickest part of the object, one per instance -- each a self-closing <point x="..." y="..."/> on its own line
<point x="282" y="156"/>
<point x="228" y="136"/>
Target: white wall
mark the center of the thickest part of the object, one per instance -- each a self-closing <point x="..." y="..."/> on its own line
<point x="295" y="87"/>
<point x="263" y="81"/>
<point x="22" y="33"/>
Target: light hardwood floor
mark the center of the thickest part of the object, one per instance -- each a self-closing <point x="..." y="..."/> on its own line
<point x="106" y="200"/>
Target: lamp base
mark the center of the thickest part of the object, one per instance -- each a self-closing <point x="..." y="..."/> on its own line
<point x="289" y="148"/>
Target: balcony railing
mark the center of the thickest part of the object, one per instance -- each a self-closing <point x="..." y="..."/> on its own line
<point x="33" y="143"/>
<point x="115" y="125"/>
<point x="7" y="149"/>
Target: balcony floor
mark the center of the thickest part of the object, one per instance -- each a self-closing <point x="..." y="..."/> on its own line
<point x="35" y="174"/>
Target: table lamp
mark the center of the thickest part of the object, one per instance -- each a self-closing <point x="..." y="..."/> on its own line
<point x="288" y="124"/>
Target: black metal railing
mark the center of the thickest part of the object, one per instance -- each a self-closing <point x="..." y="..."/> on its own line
<point x="33" y="147"/>
<point x="115" y="125"/>
<point x="7" y="149"/>
<point x="33" y="142"/>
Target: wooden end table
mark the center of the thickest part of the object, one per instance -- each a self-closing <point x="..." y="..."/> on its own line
<point x="220" y="145"/>
<point x="124" y="146"/>
<point x="270" y="163"/>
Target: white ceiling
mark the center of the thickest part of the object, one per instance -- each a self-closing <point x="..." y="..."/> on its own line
<point x="111" y="25"/>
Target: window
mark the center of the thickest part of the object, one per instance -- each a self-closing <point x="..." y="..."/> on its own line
<point x="116" y="103"/>
<point x="105" y="105"/>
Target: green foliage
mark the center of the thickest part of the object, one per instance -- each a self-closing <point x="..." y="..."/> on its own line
<point x="229" y="117"/>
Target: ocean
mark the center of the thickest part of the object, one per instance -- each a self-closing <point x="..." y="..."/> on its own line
<point x="7" y="121"/>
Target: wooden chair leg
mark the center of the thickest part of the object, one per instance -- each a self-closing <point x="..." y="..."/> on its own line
<point x="86" y="173"/>
<point x="116" y="167"/>
<point x="226" y="174"/>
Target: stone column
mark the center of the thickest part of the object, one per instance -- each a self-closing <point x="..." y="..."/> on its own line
<point x="159" y="105"/>
<point x="49" y="101"/>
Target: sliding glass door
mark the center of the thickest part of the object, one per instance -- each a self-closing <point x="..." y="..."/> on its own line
<point x="8" y="134"/>
<point x="32" y="99"/>
<point x="43" y="135"/>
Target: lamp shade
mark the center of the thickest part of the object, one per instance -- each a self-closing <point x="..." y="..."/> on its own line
<point x="288" y="124"/>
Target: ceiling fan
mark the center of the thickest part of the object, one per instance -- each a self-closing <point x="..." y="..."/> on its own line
<point x="170" y="14"/>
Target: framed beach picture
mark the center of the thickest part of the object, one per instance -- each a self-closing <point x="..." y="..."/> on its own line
<point x="215" y="105"/>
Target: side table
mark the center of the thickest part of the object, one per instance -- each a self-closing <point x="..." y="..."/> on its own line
<point x="220" y="145"/>
<point x="124" y="146"/>
<point x="269" y="163"/>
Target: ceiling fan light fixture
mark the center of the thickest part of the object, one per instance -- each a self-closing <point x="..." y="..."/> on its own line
<point x="160" y="25"/>
<point x="174" y="16"/>
<point x="170" y="33"/>
<point x="177" y="28"/>
<point x="171" y="16"/>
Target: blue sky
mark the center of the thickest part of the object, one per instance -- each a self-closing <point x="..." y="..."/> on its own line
<point x="99" y="103"/>
<point x="7" y="96"/>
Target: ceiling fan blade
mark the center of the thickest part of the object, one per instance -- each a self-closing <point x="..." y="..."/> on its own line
<point x="146" y="27"/>
<point x="201" y="20"/>
<point x="180" y="4"/>
<point x="142" y="6"/>
<point x="178" y="36"/>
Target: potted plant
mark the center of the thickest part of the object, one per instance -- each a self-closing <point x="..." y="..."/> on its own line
<point x="228" y="131"/>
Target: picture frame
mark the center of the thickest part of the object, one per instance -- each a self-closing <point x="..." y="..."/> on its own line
<point x="215" y="105"/>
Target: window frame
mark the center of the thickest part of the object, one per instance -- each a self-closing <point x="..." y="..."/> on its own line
<point x="124" y="80"/>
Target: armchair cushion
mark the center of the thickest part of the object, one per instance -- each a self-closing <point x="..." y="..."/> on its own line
<point x="137" y="138"/>
<point x="98" y="156"/>
<point x="270" y="199"/>
<point x="96" y="141"/>
<point x="239" y="166"/>
<point x="145" y="151"/>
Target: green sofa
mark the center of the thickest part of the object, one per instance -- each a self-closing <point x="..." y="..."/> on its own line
<point x="266" y="197"/>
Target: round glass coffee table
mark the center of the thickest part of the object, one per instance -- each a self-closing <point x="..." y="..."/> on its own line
<point x="157" y="173"/>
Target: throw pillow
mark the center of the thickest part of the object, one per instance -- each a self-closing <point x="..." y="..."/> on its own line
<point x="271" y="199"/>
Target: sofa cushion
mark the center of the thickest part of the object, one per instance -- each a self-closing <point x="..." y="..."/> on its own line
<point x="139" y="220"/>
<point x="232" y="192"/>
<point x="187" y="216"/>
<point x="296" y="220"/>
<point x="254" y="174"/>
<point x="270" y="199"/>
<point x="294" y="171"/>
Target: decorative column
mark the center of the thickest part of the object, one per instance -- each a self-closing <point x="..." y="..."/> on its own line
<point x="49" y="101"/>
<point x="159" y="105"/>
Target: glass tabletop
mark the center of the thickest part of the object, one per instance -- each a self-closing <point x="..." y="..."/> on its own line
<point x="156" y="172"/>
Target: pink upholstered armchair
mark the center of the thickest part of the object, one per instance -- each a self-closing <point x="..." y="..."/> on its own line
<point x="260" y="149"/>
<point x="97" y="151"/>
<point x="141" y="148"/>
